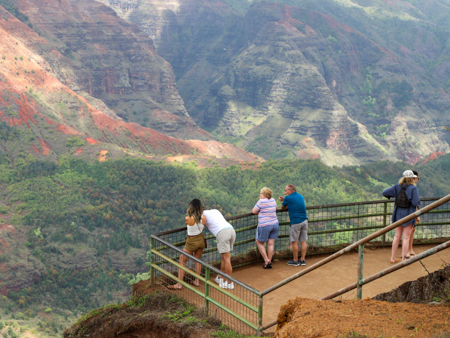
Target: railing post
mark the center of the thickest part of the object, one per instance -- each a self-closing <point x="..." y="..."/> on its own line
<point x="152" y="271"/>
<point x="260" y="314"/>
<point x="360" y="271"/>
<point x="383" y="241"/>
<point x="207" y="272"/>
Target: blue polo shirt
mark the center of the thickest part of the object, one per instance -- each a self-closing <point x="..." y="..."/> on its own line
<point x="296" y="207"/>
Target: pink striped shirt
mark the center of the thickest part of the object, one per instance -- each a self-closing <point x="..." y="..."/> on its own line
<point x="267" y="214"/>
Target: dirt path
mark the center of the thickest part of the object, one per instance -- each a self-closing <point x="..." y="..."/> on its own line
<point x="333" y="276"/>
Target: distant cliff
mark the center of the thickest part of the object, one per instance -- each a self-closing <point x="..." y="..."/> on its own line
<point x="72" y="83"/>
<point x="347" y="83"/>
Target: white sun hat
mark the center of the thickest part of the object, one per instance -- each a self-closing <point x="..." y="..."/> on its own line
<point x="409" y="174"/>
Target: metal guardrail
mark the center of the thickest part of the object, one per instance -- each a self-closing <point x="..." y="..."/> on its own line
<point x="331" y="227"/>
<point x="242" y="305"/>
<point x="360" y="245"/>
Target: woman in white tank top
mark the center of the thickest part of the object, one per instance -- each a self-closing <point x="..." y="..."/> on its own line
<point x="195" y="241"/>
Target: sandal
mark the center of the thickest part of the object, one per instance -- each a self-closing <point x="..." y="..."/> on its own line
<point x="396" y="261"/>
<point x="172" y="287"/>
<point x="267" y="266"/>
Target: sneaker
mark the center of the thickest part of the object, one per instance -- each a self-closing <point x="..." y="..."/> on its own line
<point x="226" y="285"/>
<point x="294" y="263"/>
<point x="218" y="280"/>
<point x="303" y="263"/>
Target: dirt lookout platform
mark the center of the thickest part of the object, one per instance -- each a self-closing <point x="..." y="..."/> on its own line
<point x="334" y="276"/>
<point x="418" y="297"/>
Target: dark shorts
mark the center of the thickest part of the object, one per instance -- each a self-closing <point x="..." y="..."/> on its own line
<point x="263" y="234"/>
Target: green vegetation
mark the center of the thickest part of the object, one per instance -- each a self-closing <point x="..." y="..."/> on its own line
<point x="82" y="218"/>
<point x="75" y="141"/>
<point x="160" y="310"/>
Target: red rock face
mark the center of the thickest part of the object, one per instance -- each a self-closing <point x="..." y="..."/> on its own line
<point x="31" y="97"/>
<point x="112" y="60"/>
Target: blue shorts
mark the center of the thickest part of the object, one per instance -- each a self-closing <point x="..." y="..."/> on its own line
<point x="263" y="234"/>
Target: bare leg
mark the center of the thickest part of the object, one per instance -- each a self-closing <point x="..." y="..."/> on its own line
<point x="183" y="260"/>
<point x="262" y="251"/>
<point x="270" y="249"/>
<point x="198" y="266"/>
<point x="411" y="240"/>
<point x="303" y="246"/>
<point x="395" y="242"/>
<point x="226" y="265"/>
<point x="405" y="241"/>
<point x="294" y="248"/>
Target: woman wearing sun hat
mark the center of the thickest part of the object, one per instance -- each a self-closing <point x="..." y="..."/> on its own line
<point x="404" y="206"/>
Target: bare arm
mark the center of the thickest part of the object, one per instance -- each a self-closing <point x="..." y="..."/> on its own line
<point x="281" y="198"/>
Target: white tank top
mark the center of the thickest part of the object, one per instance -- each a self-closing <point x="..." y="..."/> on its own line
<point x="194" y="230"/>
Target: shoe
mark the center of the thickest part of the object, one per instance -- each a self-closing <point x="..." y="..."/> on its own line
<point x="293" y="263"/>
<point x="267" y="266"/>
<point x="226" y="285"/>
<point x="303" y="263"/>
<point x="218" y="280"/>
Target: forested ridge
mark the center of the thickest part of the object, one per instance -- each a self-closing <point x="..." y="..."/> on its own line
<point x="84" y="227"/>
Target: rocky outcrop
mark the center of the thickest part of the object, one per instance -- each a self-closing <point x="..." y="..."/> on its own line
<point x="424" y="289"/>
<point x="17" y="271"/>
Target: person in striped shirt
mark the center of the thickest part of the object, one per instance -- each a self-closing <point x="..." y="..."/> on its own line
<point x="267" y="230"/>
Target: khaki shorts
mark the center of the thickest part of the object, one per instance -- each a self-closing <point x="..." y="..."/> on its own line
<point x="225" y="240"/>
<point x="193" y="243"/>
<point x="299" y="232"/>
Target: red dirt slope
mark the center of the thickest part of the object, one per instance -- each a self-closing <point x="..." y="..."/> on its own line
<point x="353" y="318"/>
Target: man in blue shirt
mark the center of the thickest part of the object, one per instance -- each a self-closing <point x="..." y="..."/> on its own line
<point x="298" y="231"/>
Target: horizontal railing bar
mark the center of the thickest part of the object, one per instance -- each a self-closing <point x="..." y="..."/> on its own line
<point x="389" y="270"/>
<point x="356" y="244"/>
<point x="229" y="294"/>
<point x="245" y="286"/>
<point x="179" y="266"/>
<point x="272" y="323"/>
<point x="339" y="218"/>
<point x="253" y="326"/>
<point x="239" y="300"/>
<point x="422" y="224"/>
<point x="168" y="274"/>
<point x="245" y="321"/>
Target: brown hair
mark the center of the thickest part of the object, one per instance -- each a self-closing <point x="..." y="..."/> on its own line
<point x="195" y="210"/>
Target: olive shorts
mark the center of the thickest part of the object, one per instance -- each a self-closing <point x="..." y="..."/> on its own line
<point x="193" y="243"/>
